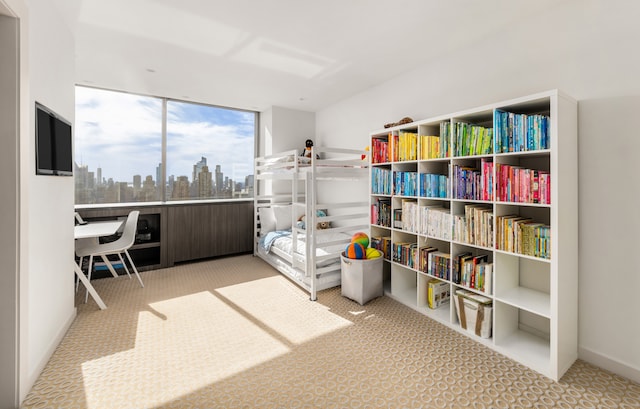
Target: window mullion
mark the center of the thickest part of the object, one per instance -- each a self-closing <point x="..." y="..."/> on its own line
<point x="163" y="164"/>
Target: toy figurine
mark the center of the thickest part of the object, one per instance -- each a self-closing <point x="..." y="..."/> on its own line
<point x="307" y="149"/>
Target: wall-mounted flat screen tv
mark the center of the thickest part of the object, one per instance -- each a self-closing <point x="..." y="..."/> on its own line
<point x="54" y="144"/>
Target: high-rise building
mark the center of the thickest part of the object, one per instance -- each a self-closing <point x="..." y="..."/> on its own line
<point x="159" y="174"/>
<point x="149" y="192"/>
<point x="205" y="183"/>
<point x="137" y="182"/>
<point x="99" y="176"/>
<point x="197" y="168"/>
<point x="180" y="188"/>
<point x="219" y="184"/>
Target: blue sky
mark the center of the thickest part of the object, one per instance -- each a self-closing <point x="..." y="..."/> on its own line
<point x="121" y="133"/>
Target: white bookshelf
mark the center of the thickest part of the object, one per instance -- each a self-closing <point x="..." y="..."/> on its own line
<point x="534" y="296"/>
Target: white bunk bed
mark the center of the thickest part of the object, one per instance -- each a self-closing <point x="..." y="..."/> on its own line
<point x="287" y="187"/>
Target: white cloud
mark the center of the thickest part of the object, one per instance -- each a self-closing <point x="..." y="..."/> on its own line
<point x="121" y="133"/>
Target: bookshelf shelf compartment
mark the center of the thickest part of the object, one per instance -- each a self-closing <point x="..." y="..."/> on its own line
<point x="486" y="199"/>
<point x="523" y="336"/>
<point x="526" y="299"/>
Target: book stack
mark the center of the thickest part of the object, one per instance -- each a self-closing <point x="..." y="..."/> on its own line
<point x="438" y="293"/>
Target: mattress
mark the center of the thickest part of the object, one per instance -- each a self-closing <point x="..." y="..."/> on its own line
<point x="282" y="256"/>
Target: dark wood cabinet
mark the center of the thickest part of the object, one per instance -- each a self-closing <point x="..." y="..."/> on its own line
<point x="208" y="230"/>
<point x="173" y="233"/>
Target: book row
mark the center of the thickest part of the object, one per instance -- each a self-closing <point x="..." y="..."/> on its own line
<point x="522" y="235"/>
<point x="405" y="183"/>
<point x="381" y="212"/>
<point x="472" y="139"/>
<point x="473" y="184"/>
<point x="404" y="253"/>
<point x="382" y="243"/>
<point x="434" y="262"/>
<point x="434" y="185"/>
<point x="434" y="221"/>
<point x="473" y="271"/>
<point x="475" y="226"/>
<point x="520" y="132"/>
<point x="381" y="181"/>
<point x="512" y="183"/>
<point x="514" y="234"/>
<point x="405" y="146"/>
<point x="436" y="146"/>
<point x="380" y="152"/>
<point x="518" y="184"/>
<point x="511" y="132"/>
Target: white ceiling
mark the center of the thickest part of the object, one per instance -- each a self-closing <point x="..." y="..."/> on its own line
<point x="253" y="54"/>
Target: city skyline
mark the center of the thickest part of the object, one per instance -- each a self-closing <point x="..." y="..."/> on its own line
<point x="96" y="187"/>
<point x="121" y="134"/>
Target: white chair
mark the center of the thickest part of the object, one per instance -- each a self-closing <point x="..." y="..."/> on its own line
<point x="114" y="248"/>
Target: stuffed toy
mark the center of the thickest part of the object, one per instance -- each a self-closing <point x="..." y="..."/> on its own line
<point x="405" y="120"/>
<point x="307" y="149"/>
<point x="321" y="225"/>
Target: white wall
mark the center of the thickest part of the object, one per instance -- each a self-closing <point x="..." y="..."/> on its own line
<point x="586" y="49"/>
<point x="47" y="304"/>
<point x="283" y="129"/>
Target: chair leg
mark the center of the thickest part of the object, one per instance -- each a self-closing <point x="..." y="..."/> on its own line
<point x="77" y="279"/>
<point x="124" y="264"/>
<point x="86" y="293"/>
<point x="107" y="263"/>
<point x="135" y="270"/>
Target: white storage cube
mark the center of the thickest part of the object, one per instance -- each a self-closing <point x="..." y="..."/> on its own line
<point x="474" y="313"/>
<point x="361" y="279"/>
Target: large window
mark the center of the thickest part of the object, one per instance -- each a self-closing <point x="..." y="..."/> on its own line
<point x="119" y="153"/>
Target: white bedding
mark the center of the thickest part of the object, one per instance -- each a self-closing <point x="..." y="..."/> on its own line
<point x="285" y="245"/>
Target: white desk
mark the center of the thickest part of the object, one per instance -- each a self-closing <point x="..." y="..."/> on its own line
<point x="95" y="230"/>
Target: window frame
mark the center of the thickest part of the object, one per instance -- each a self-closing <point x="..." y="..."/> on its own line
<point x="162" y="190"/>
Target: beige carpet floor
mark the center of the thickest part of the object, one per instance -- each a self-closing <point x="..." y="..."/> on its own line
<point x="233" y="333"/>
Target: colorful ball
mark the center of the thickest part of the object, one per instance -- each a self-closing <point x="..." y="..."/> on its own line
<point x="361" y="238"/>
<point x="355" y="250"/>
<point x="373" y="253"/>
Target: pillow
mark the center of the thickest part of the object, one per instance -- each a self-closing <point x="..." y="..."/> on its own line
<point x="283" y="217"/>
<point x="267" y="219"/>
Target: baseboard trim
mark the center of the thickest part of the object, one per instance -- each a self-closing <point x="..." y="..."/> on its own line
<point x="610" y="364"/>
<point x="33" y="376"/>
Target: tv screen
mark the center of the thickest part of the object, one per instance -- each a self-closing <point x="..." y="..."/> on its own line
<point x="54" y="144"/>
